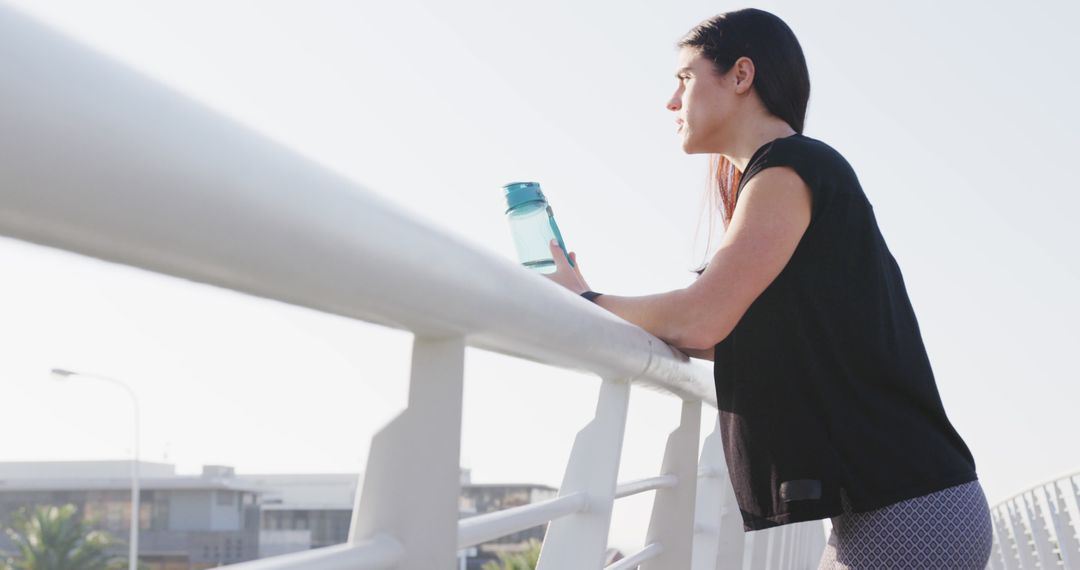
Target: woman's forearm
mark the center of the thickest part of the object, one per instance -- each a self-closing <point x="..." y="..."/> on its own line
<point x="659" y="315"/>
<point x="668" y="316"/>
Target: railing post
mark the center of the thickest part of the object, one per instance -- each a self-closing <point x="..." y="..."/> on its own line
<point x="816" y="543"/>
<point x="761" y="543"/>
<point x="579" y="541"/>
<point x="795" y="560"/>
<point x="1023" y="548"/>
<point x="1036" y="522"/>
<point x="996" y="557"/>
<point x="672" y="521"/>
<point x="720" y="542"/>
<point x="1009" y="547"/>
<point x="784" y="533"/>
<point x="411" y="485"/>
<point x="805" y="540"/>
<point x="1063" y="527"/>
<point x="811" y="534"/>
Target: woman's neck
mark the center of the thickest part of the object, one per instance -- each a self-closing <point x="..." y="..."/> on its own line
<point x="755" y="137"/>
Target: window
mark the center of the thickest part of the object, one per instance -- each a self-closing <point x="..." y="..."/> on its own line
<point x="225" y="498"/>
<point x="161" y="511"/>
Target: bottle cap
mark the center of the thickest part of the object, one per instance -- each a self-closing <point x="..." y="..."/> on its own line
<point x="518" y="193"/>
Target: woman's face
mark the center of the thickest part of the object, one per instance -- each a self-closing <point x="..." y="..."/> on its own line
<point x="703" y="103"/>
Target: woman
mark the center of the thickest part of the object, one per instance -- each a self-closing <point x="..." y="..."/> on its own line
<point x="828" y="404"/>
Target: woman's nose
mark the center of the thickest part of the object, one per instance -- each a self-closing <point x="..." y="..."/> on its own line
<point x="674" y="104"/>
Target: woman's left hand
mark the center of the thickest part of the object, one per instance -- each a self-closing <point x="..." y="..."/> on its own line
<point x="565" y="275"/>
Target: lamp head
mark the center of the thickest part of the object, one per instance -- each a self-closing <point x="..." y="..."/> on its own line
<point x="59" y="374"/>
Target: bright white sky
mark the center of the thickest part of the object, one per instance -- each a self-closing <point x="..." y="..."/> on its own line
<point x="958" y="118"/>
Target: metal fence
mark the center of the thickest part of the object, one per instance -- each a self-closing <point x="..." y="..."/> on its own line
<point x="1037" y="528"/>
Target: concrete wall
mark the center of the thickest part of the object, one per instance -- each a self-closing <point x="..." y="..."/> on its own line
<point x="214" y="510"/>
<point x="189" y="510"/>
<point x="225" y="511"/>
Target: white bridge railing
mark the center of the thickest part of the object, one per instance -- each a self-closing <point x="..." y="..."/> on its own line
<point x="97" y="159"/>
<point x="1037" y="528"/>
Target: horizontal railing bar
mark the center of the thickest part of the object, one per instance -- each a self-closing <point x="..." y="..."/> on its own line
<point x="202" y="197"/>
<point x="642" y="485"/>
<point x="377" y="553"/>
<point x="648" y="553"/>
<point x="489" y="526"/>
<point x="1058" y="481"/>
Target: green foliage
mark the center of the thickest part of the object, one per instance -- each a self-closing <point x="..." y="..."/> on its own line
<point x="523" y="561"/>
<point x="55" y="538"/>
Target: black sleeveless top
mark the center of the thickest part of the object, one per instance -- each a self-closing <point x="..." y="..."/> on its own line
<point x="824" y="386"/>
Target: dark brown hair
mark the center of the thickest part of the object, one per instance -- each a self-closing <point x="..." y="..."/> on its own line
<point x="781" y="81"/>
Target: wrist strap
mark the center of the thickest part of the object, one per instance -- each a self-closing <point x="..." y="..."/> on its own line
<point x="591" y="295"/>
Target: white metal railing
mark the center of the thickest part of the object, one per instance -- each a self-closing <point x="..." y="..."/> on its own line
<point x="1037" y="528"/>
<point x="98" y="160"/>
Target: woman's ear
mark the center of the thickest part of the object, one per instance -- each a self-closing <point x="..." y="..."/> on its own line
<point x="742" y="73"/>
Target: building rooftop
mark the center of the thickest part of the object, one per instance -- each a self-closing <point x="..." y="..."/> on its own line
<point x="304" y="491"/>
<point x="179" y="482"/>
<point x="81" y="469"/>
<point x="528" y="485"/>
<point x="279" y="491"/>
<point x="111" y="475"/>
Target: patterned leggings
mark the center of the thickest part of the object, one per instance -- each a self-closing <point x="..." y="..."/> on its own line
<point x="946" y="529"/>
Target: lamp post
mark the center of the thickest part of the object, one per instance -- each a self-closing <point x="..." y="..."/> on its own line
<point x="133" y="541"/>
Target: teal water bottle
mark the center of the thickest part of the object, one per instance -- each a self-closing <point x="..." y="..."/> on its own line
<point x="533" y="226"/>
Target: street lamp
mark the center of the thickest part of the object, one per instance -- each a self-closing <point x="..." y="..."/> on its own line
<point x="133" y="542"/>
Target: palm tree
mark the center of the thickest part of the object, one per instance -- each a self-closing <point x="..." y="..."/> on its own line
<point x="522" y="561"/>
<point x="54" y="538"/>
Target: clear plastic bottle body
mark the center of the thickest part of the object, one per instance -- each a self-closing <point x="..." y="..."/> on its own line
<point x="533" y="227"/>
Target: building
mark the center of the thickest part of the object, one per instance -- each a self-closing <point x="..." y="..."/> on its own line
<point x="302" y="511"/>
<point x="193" y="522"/>
<point x="186" y="522"/>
